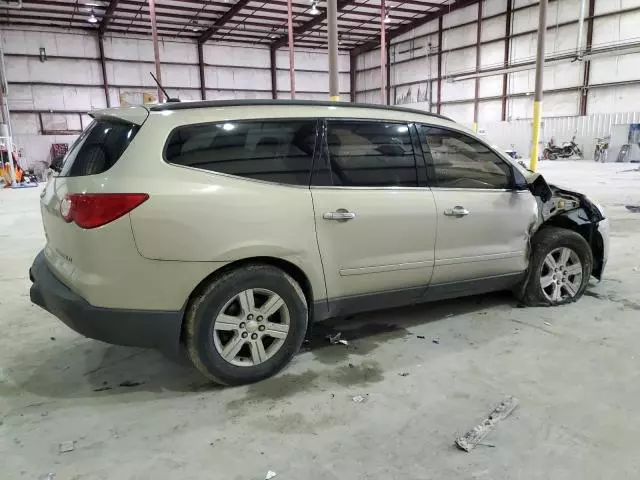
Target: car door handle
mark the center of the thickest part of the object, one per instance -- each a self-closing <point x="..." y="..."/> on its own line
<point x="341" y="215"/>
<point x="457" y="211"/>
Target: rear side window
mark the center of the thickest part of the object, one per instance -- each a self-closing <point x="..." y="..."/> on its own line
<point x="274" y="151"/>
<point x="371" y="154"/>
<point x="98" y="148"/>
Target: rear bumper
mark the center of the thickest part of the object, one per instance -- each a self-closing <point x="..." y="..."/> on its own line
<point x="135" y="328"/>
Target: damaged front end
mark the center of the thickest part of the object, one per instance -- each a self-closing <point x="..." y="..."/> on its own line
<point x="563" y="208"/>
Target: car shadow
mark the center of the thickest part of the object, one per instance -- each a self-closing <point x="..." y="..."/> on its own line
<point x="76" y="367"/>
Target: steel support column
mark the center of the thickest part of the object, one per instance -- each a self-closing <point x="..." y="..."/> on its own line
<point x="507" y="54"/>
<point x="103" y="66"/>
<point x="537" y="101"/>
<point x="587" y="64"/>
<point x="353" y="65"/>
<point x="439" y="105"/>
<point x="156" y="48"/>
<point x="274" y="74"/>
<point x="389" y="73"/>
<point x="476" y="96"/>
<point x="203" y="85"/>
<point x="292" y="61"/>
<point x="332" y="43"/>
<point x="383" y="55"/>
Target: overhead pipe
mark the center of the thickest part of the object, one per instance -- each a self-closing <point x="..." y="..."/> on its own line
<point x="580" y="28"/>
<point x="602" y="52"/>
<point x="292" y="66"/>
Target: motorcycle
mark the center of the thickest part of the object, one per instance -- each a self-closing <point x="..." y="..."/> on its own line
<point x="602" y="150"/>
<point x="567" y="150"/>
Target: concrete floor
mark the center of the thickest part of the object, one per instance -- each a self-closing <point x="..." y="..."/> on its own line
<point x="577" y="377"/>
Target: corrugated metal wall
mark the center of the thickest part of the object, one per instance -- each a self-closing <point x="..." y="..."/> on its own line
<point x="517" y="133"/>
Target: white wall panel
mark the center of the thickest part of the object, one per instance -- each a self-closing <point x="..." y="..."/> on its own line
<point x="27" y="69"/>
<point x="492" y="55"/>
<point x="493" y="28"/>
<point x="28" y="42"/>
<point x="462" y="15"/>
<point x="522" y="82"/>
<point x="606" y="6"/>
<point x="462" y="90"/>
<point x="491" y="86"/>
<point x="462" y="113"/>
<point x="615" y="69"/>
<point x="489" y="111"/>
<point x="493" y="7"/>
<point x="422" y="30"/>
<point x="624" y="98"/>
<point x="563" y="75"/>
<point x="459" y="37"/>
<point x="459" y="61"/>
<point x="415" y="70"/>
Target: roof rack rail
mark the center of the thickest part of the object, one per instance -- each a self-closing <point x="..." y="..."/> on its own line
<point x="309" y="103"/>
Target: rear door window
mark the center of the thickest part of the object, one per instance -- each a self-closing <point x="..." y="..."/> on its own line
<point x="98" y="148"/>
<point x="370" y="154"/>
<point x="279" y="151"/>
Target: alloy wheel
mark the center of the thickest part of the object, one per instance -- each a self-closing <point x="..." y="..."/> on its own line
<point x="561" y="275"/>
<point x="251" y="327"/>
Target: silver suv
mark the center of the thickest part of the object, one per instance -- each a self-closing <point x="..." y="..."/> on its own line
<point x="227" y="227"/>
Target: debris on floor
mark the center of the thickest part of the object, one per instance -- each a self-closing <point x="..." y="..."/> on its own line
<point x="633" y="208"/>
<point x="436" y="340"/>
<point x="270" y="474"/>
<point x="547" y="324"/>
<point x="474" y="436"/>
<point x="343" y="342"/>
<point x="421" y="337"/>
<point x="360" y="398"/>
<point x="333" y="339"/>
<point x="48" y="476"/>
<point x="128" y="383"/>
<point x="68" y="446"/>
<point x="102" y="389"/>
<point x="404" y="374"/>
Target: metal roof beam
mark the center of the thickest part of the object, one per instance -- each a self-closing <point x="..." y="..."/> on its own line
<point x="308" y="25"/>
<point x="407" y="27"/>
<point x="108" y="14"/>
<point x="228" y="15"/>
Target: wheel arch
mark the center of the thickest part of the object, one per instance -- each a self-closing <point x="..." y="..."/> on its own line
<point x="578" y="221"/>
<point x="288" y="267"/>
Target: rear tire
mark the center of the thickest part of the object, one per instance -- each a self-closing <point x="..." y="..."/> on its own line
<point x="234" y="337"/>
<point x="560" y="268"/>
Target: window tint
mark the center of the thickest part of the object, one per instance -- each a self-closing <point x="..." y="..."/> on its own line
<point x="274" y="151"/>
<point x="460" y="161"/>
<point x="371" y="154"/>
<point x="98" y="148"/>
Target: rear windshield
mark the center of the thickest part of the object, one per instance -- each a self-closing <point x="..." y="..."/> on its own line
<point x="98" y="148"/>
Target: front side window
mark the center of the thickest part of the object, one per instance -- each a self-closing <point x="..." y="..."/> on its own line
<point x="275" y="151"/>
<point x="460" y="161"/>
<point x="370" y="154"/>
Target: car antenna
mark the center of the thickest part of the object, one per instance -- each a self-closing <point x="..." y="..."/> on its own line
<point x="169" y="99"/>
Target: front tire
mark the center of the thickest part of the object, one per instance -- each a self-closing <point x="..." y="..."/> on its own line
<point x="560" y="268"/>
<point x="246" y="325"/>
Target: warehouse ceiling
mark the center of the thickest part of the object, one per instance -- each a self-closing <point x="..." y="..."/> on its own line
<point x="245" y="21"/>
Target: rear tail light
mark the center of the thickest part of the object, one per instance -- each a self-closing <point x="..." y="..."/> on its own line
<point x="92" y="210"/>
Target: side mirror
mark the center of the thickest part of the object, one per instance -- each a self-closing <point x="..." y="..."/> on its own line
<point x="540" y="188"/>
